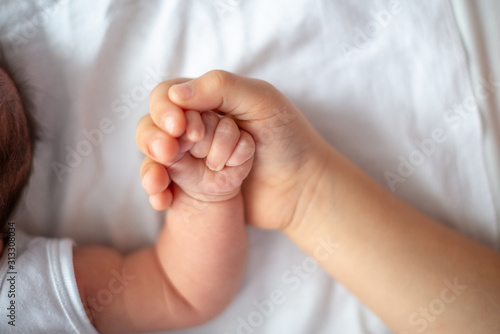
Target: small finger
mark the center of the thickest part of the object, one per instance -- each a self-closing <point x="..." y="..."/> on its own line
<point x="155" y="178"/>
<point x="154" y="142"/>
<point x="195" y="130"/>
<point x="201" y="148"/>
<point x="244" y="150"/>
<point x="162" y="200"/>
<point x="225" y="139"/>
<point x="166" y="115"/>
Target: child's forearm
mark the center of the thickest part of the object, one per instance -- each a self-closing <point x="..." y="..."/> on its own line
<point x="202" y="250"/>
<point x="186" y="279"/>
<point x="415" y="273"/>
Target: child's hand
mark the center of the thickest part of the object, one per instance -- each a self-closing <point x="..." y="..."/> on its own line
<point x="208" y="161"/>
<point x="290" y="155"/>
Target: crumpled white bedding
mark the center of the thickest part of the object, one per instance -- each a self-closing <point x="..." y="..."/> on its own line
<point x="386" y="82"/>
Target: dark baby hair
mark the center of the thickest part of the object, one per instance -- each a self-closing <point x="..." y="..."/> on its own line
<point x="17" y="141"/>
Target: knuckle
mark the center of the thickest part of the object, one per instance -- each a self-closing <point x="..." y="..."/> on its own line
<point x="266" y="85"/>
<point x="157" y="109"/>
<point x="143" y="121"/>
<point x="220" y="78"/>
<point x="156" y="90"/>
<point x="227" y="125"/>
<point x="247" y="149"/>
<point x="229" y="122"/>
<point x="248" y="142"/>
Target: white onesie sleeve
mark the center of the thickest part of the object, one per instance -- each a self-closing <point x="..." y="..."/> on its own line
<point x="38" y="292"/>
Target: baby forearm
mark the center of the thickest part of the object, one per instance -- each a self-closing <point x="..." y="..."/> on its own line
<point x="411" y="270"/>
<point x="186" y="279"/>
<point x="202" y="250"/>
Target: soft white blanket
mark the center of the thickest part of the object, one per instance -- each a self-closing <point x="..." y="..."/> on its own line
<point x="386" y="82"/>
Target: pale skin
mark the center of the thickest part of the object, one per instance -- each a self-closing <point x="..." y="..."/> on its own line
<point x="195" y="267"/>
<point x="395" y="259"/>
<point x="193" y="271"/>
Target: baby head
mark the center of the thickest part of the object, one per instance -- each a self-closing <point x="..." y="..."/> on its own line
<point x="17" y="137"/>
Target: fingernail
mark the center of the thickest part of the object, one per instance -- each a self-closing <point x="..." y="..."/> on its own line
<point x="216" y="168"/>
<point x="169" y="124"/>
<point x="183" y="91"/>
<point x="156" y="147"/>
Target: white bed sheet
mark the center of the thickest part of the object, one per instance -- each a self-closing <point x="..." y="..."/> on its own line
<point x="479" y="26"/>
<point x="377" y="79"/>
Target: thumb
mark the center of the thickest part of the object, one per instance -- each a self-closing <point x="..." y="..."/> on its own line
<point x="247" y="100"/>
<point x="281" y="132"/>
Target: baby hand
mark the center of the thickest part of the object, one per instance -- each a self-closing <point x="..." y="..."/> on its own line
<point x="208" y="160"/>
<point x="290" y="154"/>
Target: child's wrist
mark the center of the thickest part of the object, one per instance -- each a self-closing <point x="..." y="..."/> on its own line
<point x="201" y="199"/>
<point x="187" y="207"/>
